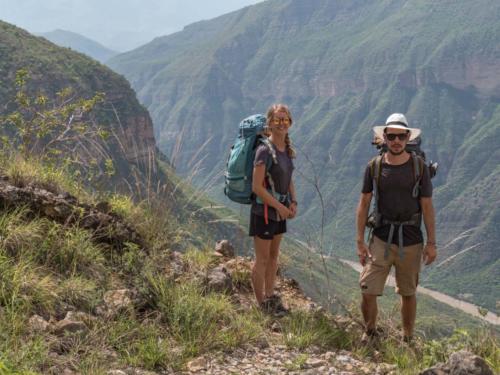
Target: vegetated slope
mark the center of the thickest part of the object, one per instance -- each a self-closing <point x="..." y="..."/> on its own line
<point x="343" y="67"/>
<point x="106" y="291"/>
<point x="140" y="170"/>
<point x="80" y="43"/>
<point x="51" y="69"/>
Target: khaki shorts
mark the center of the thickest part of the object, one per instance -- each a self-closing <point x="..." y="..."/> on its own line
<point x="374" y="275"/>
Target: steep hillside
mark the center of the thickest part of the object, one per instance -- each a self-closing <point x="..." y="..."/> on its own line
<point x="343" y="67"/>
<point x="52" y="69"/>
<point x="77" y="42"/>
<point x="98" y="288"/>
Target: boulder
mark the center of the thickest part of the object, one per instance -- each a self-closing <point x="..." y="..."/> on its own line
<point x="219" y="280"/>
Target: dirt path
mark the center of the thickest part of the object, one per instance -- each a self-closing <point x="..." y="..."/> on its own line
<point x="466" y="307"/>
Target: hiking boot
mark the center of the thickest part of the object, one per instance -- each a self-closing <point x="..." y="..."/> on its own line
<point x="409" y="340"/>
<point x="274" y="305"/>
<point x="265" y="306"/>
<point x="370" y="337"/>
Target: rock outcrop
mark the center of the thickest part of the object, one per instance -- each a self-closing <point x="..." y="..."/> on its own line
<point x="65" y="209"/>
<point x="461" y="363"/>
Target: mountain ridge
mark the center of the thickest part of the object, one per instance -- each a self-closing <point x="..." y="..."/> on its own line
<point x="80" y="43"/>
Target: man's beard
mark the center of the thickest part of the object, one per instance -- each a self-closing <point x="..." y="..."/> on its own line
<point x="396" y="153"/>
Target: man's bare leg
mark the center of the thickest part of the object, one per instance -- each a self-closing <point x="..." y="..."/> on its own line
<point x="408" y="314"/>
<point x="370" y="310"/>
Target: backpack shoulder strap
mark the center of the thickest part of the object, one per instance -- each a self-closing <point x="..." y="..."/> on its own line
<point x="376" y="168"/>
<point x="418" y="170"/>
<point x="269" y="145"/>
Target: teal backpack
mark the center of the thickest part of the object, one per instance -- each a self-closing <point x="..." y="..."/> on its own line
<point x="239" y="167"/>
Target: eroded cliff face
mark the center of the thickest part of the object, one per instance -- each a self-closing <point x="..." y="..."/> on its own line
<point x="139" y="140"/>
<point x="479" y="73"/>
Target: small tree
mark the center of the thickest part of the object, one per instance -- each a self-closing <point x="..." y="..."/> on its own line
<point x="60" y="130"/>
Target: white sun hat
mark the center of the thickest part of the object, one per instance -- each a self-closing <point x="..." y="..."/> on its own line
<point x="396" y="121"/>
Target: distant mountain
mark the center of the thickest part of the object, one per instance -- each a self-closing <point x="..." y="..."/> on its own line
<point x="343" y="66"/>
<point x="80" y="43"/>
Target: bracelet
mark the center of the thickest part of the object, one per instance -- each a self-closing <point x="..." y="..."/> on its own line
<point x="431" y="243"/>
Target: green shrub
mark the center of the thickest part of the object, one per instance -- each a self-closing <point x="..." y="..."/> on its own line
<point x="55" y="179"/>
<point x="242" y="279"/>
<point x="18" y="349"/>
<point x="71" y="251"/>
<point x="199" y="260"/>
<point x="124" y="206"/>
<point x="80" y="292"/>
<point x="26" y="288"/>
<point x="146" y="345"/>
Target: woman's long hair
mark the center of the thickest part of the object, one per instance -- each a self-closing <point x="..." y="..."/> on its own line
<point x="275" y="108"/>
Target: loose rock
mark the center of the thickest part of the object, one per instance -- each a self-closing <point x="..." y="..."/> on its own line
<point x="219" y="280"/>
<point x="197" y="364"/>
<point x="461" y="363"/>
<point x="65" y="326"/>
<point x="37" y="323"/>
<point x="224" y="248"/>
<point x="118" y="300"/>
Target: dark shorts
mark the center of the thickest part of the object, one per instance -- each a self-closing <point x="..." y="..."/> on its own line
<point x="259" y="228"/>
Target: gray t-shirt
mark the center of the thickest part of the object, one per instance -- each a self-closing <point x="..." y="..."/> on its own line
<point x="281" y="174"/>
<point x="395" y="198"/>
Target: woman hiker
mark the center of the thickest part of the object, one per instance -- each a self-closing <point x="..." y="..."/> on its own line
<point x="275" y="203"/>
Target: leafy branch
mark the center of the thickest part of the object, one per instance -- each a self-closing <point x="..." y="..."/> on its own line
<point x="59" y="130"/>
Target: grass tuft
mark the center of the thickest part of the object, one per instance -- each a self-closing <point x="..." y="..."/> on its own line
<point x="302" y="329"/>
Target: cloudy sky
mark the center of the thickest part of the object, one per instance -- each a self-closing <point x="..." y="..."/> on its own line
<point x="118" y="24"/>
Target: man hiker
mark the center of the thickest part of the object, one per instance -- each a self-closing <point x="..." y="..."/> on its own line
<point x="402" y="190"/>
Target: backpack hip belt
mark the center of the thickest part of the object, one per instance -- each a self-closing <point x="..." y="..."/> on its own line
<point x="282" y="198"/>
<point x="415" y="220"/>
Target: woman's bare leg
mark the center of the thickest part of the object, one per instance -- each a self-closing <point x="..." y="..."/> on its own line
<point x="262" y="250"/>
<point x="272" y="265"/>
